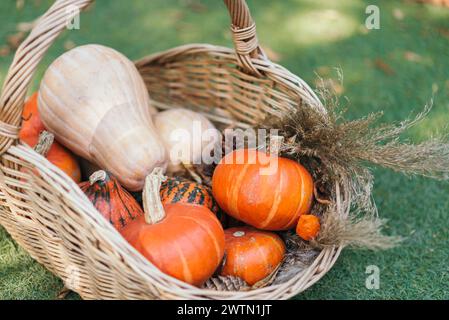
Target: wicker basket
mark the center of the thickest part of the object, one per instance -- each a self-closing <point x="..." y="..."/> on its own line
<point x="49" y="216"/>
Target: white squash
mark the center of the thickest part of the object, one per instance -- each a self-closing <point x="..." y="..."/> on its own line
<point x="188" y="136"/>
<point x="95" y="102"/>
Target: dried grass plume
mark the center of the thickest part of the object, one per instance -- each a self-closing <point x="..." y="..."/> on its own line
<point x="336" y="149"/>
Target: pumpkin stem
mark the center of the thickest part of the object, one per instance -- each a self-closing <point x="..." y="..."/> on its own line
<point x="152" y="205"/>
<point x="238" y="234"/>
<point x="44" y="143"/>
<point x="275" y="145"/>
<point x="99" y="175"/>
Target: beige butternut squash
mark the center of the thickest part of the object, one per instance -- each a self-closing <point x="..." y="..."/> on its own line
<point x="95" y="102"/>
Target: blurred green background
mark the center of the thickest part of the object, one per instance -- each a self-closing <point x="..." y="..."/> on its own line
<point x="397" y="68"/>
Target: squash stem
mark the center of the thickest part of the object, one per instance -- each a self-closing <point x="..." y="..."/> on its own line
<point x="152" y="205"/>
<point x="99" y="175"/>
<point x="44" y="143"/>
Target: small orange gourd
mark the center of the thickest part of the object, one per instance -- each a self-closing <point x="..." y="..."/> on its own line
<point x="33" y="132"/>
<point x="265" y="191"/>
<point x="185" y="241"/>
<point x="111" y="199"/>
<point x="252" y="254"/>
<point x="308" y="227"/>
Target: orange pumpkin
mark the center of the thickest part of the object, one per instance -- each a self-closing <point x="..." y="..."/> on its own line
<point x="308" y="227"/>
<point x="111" y="199"/>
<point x="32" y="128"/>
<point x="185" y="241"/>
<point x="252" y="254"/>
<point x="265" y="191"/>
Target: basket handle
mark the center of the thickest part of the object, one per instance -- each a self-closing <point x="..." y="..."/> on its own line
<point x="244" y="35"/>
<point x="55" y="20"/>
<point x="25" y="62"/>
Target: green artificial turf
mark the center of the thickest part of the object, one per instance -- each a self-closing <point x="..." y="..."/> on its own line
<point x="398" y="69"/>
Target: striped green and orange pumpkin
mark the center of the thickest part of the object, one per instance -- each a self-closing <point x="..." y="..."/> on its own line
<point x="265" y="191"/>
<point x="111" y="199"/>
<point x="179" y="190"/>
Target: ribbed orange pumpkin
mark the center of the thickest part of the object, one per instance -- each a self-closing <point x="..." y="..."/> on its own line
<point x="111" y="199"/>
<point x="245" y="188"/>
<point x="185" y="241"/>
<point x="32" y="128"/>
<point x="252" y="254"/>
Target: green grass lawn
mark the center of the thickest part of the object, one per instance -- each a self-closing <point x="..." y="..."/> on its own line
<point x="396" y="69"/>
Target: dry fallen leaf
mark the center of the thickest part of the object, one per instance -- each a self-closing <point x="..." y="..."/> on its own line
<point x="272" y="55"/>
<point x="4" y="51"/>
<point x="398" y="14"/>
<point x="20" y="4"/>
<point x="69" y="45"/>
<point x="323" y="71"/>
<point x="176" y="15"/>
<point x="444" y="32"/>
<point x="384" y="67"/>
<point x="436" y="2"/>
<point x="363" y="29"/>
<point x="196" y="6"/>
<point x="412" y="56"/>
<point x="183" y="27"/>
<point x="435" y="88"/>
<point x="26" y="26"/>
<point x="16" y="39"/>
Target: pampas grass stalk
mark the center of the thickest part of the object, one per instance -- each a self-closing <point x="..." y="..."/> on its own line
<point x="338" y="150"/>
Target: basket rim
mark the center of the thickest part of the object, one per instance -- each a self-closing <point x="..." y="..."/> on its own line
<point x="270" y="69"/>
